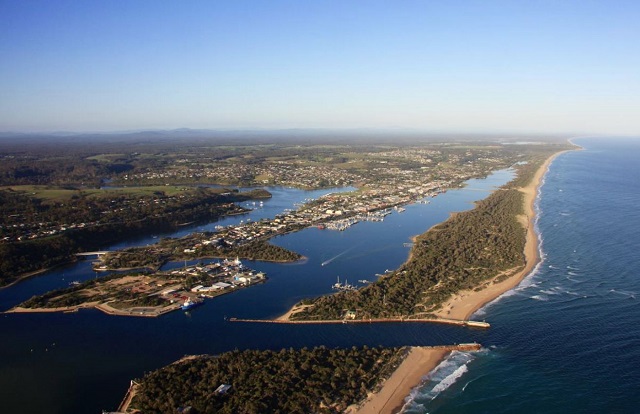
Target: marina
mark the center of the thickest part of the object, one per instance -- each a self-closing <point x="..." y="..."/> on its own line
<point x="343" y="286"/>
<point x="344" y="224"/>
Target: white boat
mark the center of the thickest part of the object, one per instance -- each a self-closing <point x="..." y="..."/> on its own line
<point x="188" y="304"/>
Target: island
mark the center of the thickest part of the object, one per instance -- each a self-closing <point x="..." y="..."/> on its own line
<point x="147" y="295"/>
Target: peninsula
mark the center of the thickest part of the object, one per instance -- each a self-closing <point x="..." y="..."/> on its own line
<point x="453" y="268"/>
<point x="294" y="381"/>
<point x="510" y="212"/>
<point x="410" y="374"/>
<point x="147" y="295"/>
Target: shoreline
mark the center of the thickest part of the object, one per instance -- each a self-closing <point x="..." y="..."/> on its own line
<point x="464" y="304"/>
<point x="391" y="398"/>
<point x="28" y="275"/>
<point x="392" y="395"/>
<point x="409" y="374"/>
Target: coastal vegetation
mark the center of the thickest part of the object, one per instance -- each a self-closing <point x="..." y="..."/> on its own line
<point x="461" y="253"/>
<point x="318" y="380"/>
<point x="70" y="296"/>
<point x="44" y="228"/>
<point x="51" y="212"/>
<point x="170" y="249"/>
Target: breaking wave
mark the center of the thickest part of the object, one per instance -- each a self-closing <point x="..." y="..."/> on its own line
<point x="440" y="379"/>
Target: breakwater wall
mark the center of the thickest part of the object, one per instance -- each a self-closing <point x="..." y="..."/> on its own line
<point x="473" y="324"/>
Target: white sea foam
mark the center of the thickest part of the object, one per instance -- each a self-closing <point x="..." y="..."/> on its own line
<point x="529" y="279"/>
<point x="438" y="380"/>
<point x="626" y="293"/>
<point x="540" y="298"/>
<point x="448" y="381"/>
<point x="469" y="382"/>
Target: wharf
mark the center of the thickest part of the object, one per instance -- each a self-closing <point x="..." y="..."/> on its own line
<point x="472" y="324"/>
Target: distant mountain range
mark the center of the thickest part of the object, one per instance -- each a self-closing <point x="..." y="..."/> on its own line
<point x="260" y="136"/>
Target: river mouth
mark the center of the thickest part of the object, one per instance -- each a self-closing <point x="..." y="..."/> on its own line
<point x="109" y="351"/>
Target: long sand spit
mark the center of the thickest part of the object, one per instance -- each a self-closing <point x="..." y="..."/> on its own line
<point x="390" y="398"/>
<point x="465" y="303"/>
<point x="422" y="360"/>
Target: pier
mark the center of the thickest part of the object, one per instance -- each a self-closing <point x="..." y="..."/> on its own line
<point x="92" y="253"/>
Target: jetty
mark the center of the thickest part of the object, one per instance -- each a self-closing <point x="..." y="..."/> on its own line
<point x="92" y="253"/>
<point x="458" y="322"/>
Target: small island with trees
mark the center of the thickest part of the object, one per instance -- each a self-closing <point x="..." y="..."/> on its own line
<point x="147" y="294"/>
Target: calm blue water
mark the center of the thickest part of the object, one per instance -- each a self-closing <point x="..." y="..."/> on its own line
<point x="82" y="362"/>
<point x="568" y="339"/>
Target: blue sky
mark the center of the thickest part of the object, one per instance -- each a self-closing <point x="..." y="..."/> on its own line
<point x="470" y="66"/>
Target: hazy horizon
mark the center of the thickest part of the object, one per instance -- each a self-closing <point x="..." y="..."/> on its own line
<point x="488" y="67"/>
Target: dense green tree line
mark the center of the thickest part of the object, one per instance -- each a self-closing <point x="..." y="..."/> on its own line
<point x="173" y="250"/>
<point x="22" y="257"/>
<point x="259" y="250"/>
<point x="62" y="170"/>
<point x="20" y="213"/>
<point x="457" y="254"/>
<point x="317" y="380"/>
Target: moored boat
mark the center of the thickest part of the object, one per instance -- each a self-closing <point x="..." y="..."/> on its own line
<point x="189" y="304"/>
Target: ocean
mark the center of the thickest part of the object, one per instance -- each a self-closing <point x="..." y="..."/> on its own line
<point x="567" y="340"/>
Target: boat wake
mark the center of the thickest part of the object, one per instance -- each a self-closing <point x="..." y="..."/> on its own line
<point x="540" y="298"/>
<point x="326" y="262"/>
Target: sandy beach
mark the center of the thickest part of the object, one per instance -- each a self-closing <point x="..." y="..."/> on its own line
<point x="465" y="303"/>
<point x="420" y="361"/>
<point x="462" y="305"/>
<point x="390" y="399"/>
